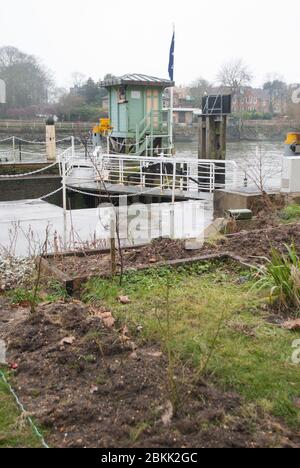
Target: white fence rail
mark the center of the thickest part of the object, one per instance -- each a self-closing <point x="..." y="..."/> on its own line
<point x="191" y="175"/>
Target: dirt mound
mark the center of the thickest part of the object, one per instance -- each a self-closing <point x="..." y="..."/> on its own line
<point x="93" y="265"/>
<point x="258" y="243"/>
<point x="251" y="245"/>
<point x="89" y="386"/>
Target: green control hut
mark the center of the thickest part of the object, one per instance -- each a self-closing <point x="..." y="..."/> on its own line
<point x="139" y="124"/>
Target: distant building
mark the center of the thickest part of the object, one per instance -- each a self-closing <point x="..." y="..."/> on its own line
<point x="186" y="116"/>
<point x="251" y="100"/>
<point x="182" y="98"/>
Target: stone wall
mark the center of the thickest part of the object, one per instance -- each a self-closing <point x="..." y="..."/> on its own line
<point x="246" y="130"/>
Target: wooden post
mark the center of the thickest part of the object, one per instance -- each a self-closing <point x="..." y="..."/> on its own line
<point x="224" y="137"/>
<point x="202" y="138"/>
<point x="211" y="139"/>
<point x="50" y="140"/>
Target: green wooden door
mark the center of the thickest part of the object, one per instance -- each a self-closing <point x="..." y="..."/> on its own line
<point x="136" y="108"/>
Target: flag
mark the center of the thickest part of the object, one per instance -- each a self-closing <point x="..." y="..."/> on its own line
<point x="171" y="62"/>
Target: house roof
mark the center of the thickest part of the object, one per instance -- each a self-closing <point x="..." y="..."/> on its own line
<point x="137" y="79"/>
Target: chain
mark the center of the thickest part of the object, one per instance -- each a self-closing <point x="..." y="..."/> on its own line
<point x="110" y="196"/>
<point x="29" y="173"/>
<point x="50" y="194"/>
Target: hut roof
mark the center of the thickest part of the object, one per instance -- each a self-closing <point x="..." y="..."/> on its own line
<point x="137" y="79"/>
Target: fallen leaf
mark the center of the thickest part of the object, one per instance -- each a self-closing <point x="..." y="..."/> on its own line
<point x="292" y="325"/>
<point x="168" y="415"/>
<point x="108" y="320"/>
<point x="93" y="389"/>
<point x="124" y="336"/>
<point x="124" y="300"/>
<point x="68" y="340"/>
<point x="105" y="316"/>
<point x="157" y="354"/>
<point x="133" y="356"/>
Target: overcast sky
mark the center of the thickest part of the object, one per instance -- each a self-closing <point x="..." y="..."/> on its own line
<point x="119" y="36"/>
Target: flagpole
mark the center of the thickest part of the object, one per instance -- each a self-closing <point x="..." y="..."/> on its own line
<point x="171" y="118"/>
<point x="172" y="108"/>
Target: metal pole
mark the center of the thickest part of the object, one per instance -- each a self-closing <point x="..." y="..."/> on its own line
<point x="14" y="149"/>
<point x="172" y="110"/>
<point x="171" y="119"/>
<point x="73" y="146"/>
<point x="113" y="244"/>
<point x="63" y="162"/>
<point x="173" y="202"/>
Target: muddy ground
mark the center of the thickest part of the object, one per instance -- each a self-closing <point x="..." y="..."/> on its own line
<point x="88" y="385"/>
<point x="251" y="245"/>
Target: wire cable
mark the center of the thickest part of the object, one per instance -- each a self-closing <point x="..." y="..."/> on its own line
<point x="23" y="411"/>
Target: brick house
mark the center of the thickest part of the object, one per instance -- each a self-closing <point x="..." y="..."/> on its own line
<point x="251" y="100"/>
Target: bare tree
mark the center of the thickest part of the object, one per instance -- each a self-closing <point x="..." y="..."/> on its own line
<point x="27" y="80"/>
<point x="260" y="173"/>
<point x="78" y="79"/>
<point x="11" y="56"/>
<point x="235" y="75"/>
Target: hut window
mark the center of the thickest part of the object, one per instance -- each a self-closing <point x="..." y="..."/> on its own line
<point x="122" y="94"/>
<point x="136" y="94"/>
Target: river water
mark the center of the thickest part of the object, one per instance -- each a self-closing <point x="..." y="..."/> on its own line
<point x="266" y="156"/>
<point x="243" y="153"/>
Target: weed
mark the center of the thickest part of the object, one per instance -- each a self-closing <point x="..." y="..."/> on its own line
<point x="56" y="292"/>
<point x="281" y="277"/>
<point x="257" y="365"/>
<point x="138" y="431"/>
<point x="290" y="213"/>
<point x="23" y="296"/>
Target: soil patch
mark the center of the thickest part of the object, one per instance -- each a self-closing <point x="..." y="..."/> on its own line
<point x="250" y="245"/>
<point x="89" y="386"/>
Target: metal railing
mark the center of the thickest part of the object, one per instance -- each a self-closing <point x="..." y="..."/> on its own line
<point x="153" y="123"/>
<point x="184" y="175"/>
<point x="19" y="150"/>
